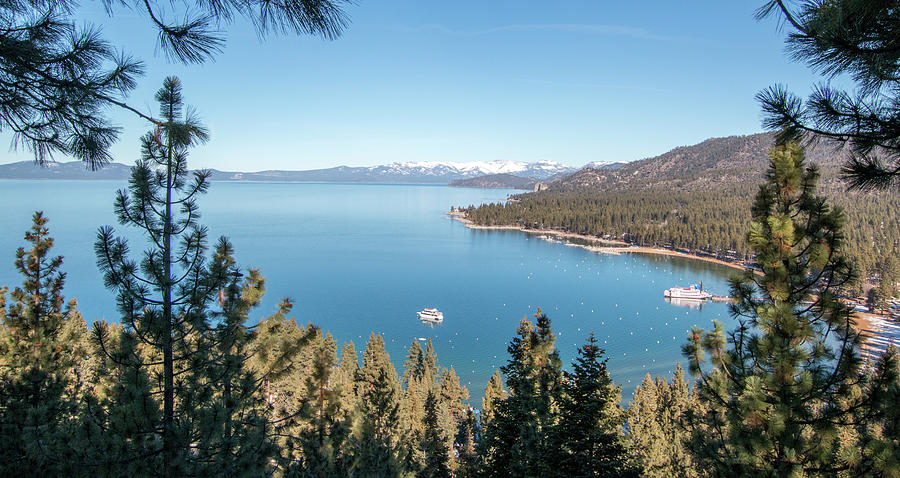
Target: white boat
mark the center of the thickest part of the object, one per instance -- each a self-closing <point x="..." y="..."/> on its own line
<point x="431" y="315"/>
<point x="691" y="292"/>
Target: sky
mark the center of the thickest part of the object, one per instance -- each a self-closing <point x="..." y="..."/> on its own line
<point x="426" y="80"/>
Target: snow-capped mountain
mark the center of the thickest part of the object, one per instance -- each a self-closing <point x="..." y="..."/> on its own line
<point x="449" y="171"/>
<point x="411" y="172"/>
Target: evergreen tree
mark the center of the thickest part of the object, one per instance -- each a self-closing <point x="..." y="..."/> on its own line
<point x="857" y="38"/>
<point x="232" y="431"/>
<point x="276" y="357"/>
<point x="345" y="378"/>
<point x="324" y="427"/>
<point x="588" y="438"/>
<point x="412" y="420"/>
<point x="164" y="307"/>
<point x="875" y="300"/>
<point x="452" y="410"/>
<point x="412" y="404"/>
<point x="887" y="284"/>
<point x="434" y="443"/>
<point x="431" y="371"/>
<point x="468" y="458"/>
<point x="494" y="393"/>
<point x="176" y="346"/>
<point x="378" y="444"/>
<point x="420" y="374"/>
<point x="516" y="439"/>
<point x="44" y="373"/>
<point x="120" y="433"/>
<point x="414" y="368"/>
<point x="655" y="430"/>
<point x="788" y="397"/>
<point x="453" y="394"/>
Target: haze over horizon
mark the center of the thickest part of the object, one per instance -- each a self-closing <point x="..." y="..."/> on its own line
<point x="436" y="83"/>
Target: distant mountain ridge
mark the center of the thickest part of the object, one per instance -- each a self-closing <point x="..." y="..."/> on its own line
<point x="411" y="172"/>
<point x="505" y="180"/>
<point x="711" y="164"/>
<point x="70" y="170"/>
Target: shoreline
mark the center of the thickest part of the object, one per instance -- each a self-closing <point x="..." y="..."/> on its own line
<point x="871" y="327"/>
<point x="613" y="247"/>
<point x="877" y="332"/>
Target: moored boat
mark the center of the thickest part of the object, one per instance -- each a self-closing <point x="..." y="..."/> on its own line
<point x="691" y="292"/>
<point x="431" y="315"/>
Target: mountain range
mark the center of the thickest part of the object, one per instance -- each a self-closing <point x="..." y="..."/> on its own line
<point x="709" y="164"/>
<point x="404" y="173"/>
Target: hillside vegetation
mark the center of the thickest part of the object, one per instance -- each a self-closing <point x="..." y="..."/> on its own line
<point x="697" y="198"/>
<point x="495" y="181"/>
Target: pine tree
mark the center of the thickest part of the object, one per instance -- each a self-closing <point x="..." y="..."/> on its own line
<point x="44" y="370"/>
<point x="176" y="345"/>
<point x="783" y="399"/>
<point x="232" y="435"/>
<point x="468" y="457"/>
<point x="588" y="438"/>
<point x="654" y="423"/>
<point x="377" y="436"/>
<point x="120" y="431"/>
<point x="516" y="439"/>
<point x="859" y="39"/>
<point x="412" y="420"/>
<point x="345" y="378"/>
<point x="887" y="285"/>
<point x="493" y="394"/>
<point x="431" y="371"/>
<point x="453" y="394"/>
<point x="324" y="428"/>
<point x="452" y="410"/>
<point x="412" y="404"/>
<point x="414" y="368"/>
<point x="434" y="443"/>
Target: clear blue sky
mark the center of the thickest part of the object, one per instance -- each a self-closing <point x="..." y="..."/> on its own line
<point x="417" y="80"/>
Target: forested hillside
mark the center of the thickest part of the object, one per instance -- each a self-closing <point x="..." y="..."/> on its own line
<point x="495" y="181"/>
<point x="698" y="198"/>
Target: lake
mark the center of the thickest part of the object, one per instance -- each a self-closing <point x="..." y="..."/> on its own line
<point x="357" y="258"/>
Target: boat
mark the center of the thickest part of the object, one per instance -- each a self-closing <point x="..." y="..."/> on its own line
<point x="691" y="292"/>
<point x="431" y="315"/>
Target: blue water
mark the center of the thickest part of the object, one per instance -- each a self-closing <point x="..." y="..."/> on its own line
<point x="359" y="258"/>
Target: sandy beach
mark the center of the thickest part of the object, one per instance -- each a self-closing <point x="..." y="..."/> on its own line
<point x="877" y="331"/>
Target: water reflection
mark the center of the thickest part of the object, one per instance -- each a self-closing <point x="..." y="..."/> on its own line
<point x="689" y="303"/>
